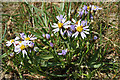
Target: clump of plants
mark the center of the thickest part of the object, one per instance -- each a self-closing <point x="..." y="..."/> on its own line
<point x="61" y="48"/>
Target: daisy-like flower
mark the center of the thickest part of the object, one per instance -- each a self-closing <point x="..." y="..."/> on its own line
<point x="86" y="7"/>
<point x="30" y="37"/>
<point x="62" y="23"/>
<point x="12" y="41"/>
<point x="63" y="52"/>
<point x="21" y="47"/>
<point x="95" y="8"/>
<point x="82" y="29"/>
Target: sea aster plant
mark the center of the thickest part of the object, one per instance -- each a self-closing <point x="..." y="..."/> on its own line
<point x="82" y="29"/>
<point x="62" y="23"/>
<point x="86" y="8"/>
<point x="94" y="8"/>
<point x="21" y="47"/>
<point x="30" y="37"/>
<point x="12" y="41"/>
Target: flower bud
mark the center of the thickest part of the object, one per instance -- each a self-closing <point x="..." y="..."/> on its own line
<point x="51" y="44"/>
<point x="47" y="36"/>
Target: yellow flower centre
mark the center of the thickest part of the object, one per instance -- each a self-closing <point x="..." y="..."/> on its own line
<point x="27" y="38"/>
<point x="12" y="40"/>
<point x="22" y="47"/>
<point x="20" y="41"/>
<point x="94" y="7"/>
<point x="88" y="7"/>
<point x="60" y="25"/>
<point x="79" y="28"/>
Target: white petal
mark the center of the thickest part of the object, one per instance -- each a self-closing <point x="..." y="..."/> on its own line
<point x="63" y="20"/>
<point x="76" y="34"/>
<point x="30" y="35"/>
<point x="55" y="30"/>
<point x="65" y="16"/>
<point x="83" y="35"/>
<point x="59" y="53"/>
<point x="17" y="49"/>
<point x="61" y="32"/>
<point x="90" y="5"/>
<point x="54" y="26"/>
<point x="69" y="34"/>
<point x="24" y="42"/>
<point x="64" y="32"/>
<point x="66" y="50"/>
<point x="18" y="52"/>
<point x="85" y="27"/>
<point x="66" y="26"/>
<point x="73" y="34"/>
<point x="73" y="20"/>
<point x="8" y="41"/>
<point x="17" y="38"/>
<point x="86" y="32"/>
<point x="8" y="44"/>
<point x="66" y="23"/>
<point x="24" y="52"/>
<point x="24" y="36"/>
<point x="57" y="17"/>
<point x="100" y="8"/>
<point x="33" y="38"/>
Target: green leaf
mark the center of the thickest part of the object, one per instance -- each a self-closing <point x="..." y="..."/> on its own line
<point x="4" y="55"/>
<point x="62" y="6"/>
<point x="47" y="57"/>
<point x="50" y="64"/>
<point x="36" y="34"/>
<point x="96" y="65"/>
